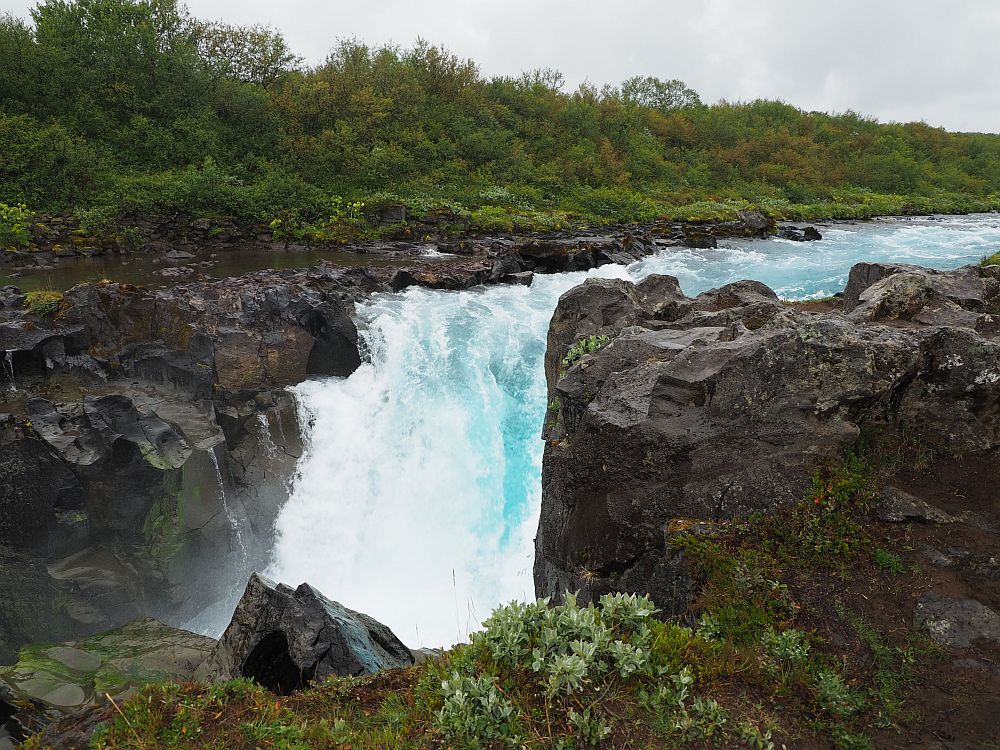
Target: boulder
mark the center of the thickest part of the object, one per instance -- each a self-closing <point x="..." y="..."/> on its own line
<point x="796" y="234"/>
<point x="284" y="638"/>
<point x="957" y="623"/>
<point x="897" y="506"/>
<point x="725" y="405"/>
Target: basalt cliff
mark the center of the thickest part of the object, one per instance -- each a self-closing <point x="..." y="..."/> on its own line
<point x="667" y="410"/>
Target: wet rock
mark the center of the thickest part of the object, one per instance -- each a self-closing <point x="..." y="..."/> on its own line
<point x="700" y="239"/>
<point x="11" y="297"/>
<point x="957" y="623"/>
<point x="284" y="638"/>
<point x="524" y="278"/>
<point x="506" y="264"/>
<point x="756" y="223"/>
<point x="796" y="234"/>
<point x="34" y="486"/>
<point x="49" y="681"/>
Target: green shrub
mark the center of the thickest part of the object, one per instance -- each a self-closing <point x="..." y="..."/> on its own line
<point x="991" y="260"/>
<point x="15" y="226"/>
<point x="46" y="303"/>
<point x="567" y="654"/>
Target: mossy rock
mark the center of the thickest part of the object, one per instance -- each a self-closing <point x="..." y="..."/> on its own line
<point x="69" y="675"/>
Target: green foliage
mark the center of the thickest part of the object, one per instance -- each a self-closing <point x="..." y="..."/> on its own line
<point x="475" y="710"/>
<point x="118" y="104"/>
<point x="888" y="561"/>
<point x="893" y="666"/>
<point x="834" y="696"/>
<point x="45" y="303"/>
<point x="15" y="223"/>
<point x="581" y="348"/>
<point x="991" y="260"/>
<point x="786" y="647"/>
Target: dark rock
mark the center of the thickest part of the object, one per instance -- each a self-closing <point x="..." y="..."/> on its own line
<point x="34" y="485"/>
<point x="700" y="239"/>
<point x="900" y="507"/>
<point x="726" y="404"/>
<point x="808" y="234"/>
<point x="392" y="214"/>
<point x="507" y="263"/>
<point x="756" y="223"/>
<point x="524" y="278"/>
<point x="956" y="623"/>
<point x="285" y="638"/>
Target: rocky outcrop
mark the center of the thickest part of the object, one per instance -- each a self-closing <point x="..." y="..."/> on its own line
<point x="284" y="638"/>
<point x="725" y="404"/>
<point x="126" y="501"/>
<point x="57" y="679"/>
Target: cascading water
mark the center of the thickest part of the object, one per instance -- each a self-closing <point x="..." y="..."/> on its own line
<point x="8" y="369"/>
<point x="234" y="521"/>
<point x="417" y="497"/>
<point x="264" y="435"/>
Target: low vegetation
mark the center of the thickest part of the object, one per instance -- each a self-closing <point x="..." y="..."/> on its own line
<point x="45" y="303"/>
<point x="582" y="348"/>
<point x="991" y="260"/>
<point x="747" y="669"/>
<point x="116" y="108"/>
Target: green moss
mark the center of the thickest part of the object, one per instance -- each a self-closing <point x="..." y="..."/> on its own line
<point x="164" y="527"/>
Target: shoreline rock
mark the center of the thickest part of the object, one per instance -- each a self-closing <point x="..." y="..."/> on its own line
<point x="722" y="405"/>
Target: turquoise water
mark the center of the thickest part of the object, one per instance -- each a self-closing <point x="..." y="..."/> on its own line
<point x="417" y="498"/>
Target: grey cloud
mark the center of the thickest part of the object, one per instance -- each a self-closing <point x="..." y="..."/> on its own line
<point x="894" y="59"/>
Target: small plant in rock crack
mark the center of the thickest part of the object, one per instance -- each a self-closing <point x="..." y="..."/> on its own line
<point x="580" y="349"/>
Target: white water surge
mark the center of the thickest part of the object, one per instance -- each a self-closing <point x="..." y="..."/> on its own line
<point x="417" y="498"/>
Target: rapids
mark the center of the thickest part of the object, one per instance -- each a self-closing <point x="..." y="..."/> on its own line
<point x="417" y="497"/>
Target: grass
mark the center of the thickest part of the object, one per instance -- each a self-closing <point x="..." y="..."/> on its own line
<point x="991" y="260"/>
<point x="43" y="303"/>
<point x="749" y="673"/>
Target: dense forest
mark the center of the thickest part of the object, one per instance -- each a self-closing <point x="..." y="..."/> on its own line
<point x="116" y="108"/>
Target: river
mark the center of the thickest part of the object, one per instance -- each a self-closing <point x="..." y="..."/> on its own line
<point x="417" y="497"/>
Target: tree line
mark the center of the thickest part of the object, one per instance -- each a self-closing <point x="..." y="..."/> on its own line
<point x="114" y="108"/>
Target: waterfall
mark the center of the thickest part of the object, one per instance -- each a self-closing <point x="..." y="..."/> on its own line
<point x="417" y="495"/>
<point x="8" y="369"/>
<point x="264" y="435"/>
<point x="234" y="522"/>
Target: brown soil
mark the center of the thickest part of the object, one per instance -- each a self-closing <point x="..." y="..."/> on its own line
<point x="953" y="699"/>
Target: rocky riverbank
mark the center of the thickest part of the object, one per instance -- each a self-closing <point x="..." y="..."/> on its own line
<point x="803" y="485"/>
<point x="156" y="250"/>
<point x="146" y="435"/>
<point x="665" y="408"/>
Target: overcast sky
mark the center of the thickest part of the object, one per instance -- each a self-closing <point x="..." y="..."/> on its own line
<point x="903" y="60"/>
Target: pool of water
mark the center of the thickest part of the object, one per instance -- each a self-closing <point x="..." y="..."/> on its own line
<point x="146" y="270"/>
